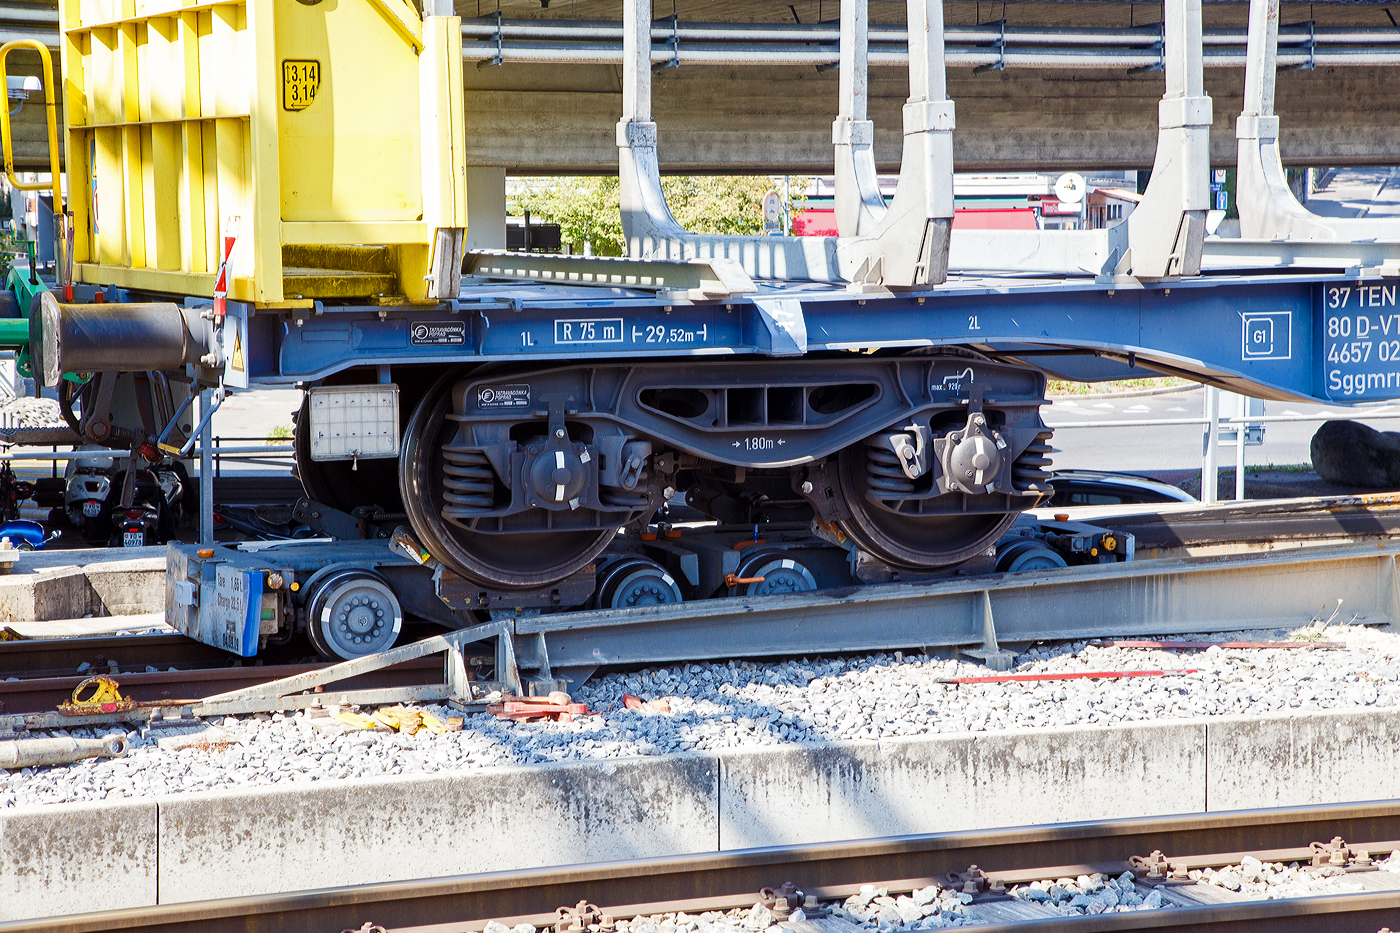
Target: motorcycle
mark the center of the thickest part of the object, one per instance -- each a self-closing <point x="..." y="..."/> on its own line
<point x="97" y="486"/>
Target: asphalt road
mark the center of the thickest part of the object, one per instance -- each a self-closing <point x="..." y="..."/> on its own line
<point x="1179" y="447"/>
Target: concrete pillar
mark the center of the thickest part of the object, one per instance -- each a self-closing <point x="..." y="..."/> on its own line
<point x="486" y="207"/>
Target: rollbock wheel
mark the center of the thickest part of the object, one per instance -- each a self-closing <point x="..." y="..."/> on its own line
<point x="636" y="581"/>
<point x="511" y="559"/>
<point x="1028" y="554"/>
<point x="918" y="542"/>
<point x="779" y="573"/>
<point x="353" y="613"/>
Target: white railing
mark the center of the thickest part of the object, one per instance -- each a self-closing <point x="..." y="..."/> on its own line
<point x="1210" y="458"/>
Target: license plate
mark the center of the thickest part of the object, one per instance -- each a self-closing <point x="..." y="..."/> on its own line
<point x="133" y="539"/>
<point x="90" y="509"/>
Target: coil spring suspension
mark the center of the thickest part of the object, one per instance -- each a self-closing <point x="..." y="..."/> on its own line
<point x="470" y="480"/>
<point x="884" y="471"/>
<point x="1031" y="469"/>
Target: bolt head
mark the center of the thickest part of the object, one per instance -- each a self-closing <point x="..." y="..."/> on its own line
<point x="807" y="488"/>
<point x="558" y="432"/>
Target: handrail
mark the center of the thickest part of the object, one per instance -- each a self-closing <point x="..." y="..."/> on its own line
<point x="49" y="107"/>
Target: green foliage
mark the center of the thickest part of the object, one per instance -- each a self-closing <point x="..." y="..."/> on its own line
<point x="587" y="209"/>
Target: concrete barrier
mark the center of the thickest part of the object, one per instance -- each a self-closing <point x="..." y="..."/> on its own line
<point x="128" y="587"/>
<point x="949" y="783"/>
<point x="394" y="829"/>
<point x="1303" y="759"/>
<point x="76" y="858"/>
<point x="48" y="585"/>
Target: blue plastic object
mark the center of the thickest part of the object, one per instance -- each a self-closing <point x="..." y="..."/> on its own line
<point x="24" y="534"/>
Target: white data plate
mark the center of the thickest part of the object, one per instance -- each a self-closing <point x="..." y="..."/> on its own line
<point x="354" y="422"/>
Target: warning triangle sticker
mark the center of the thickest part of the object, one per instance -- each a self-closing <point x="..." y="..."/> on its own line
<point x="236" y="363"/>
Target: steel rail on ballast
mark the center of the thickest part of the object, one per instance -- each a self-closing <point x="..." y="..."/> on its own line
<point x="828" y="870"/>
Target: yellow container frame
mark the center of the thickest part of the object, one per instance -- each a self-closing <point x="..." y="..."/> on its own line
<point x="179" y="135"/>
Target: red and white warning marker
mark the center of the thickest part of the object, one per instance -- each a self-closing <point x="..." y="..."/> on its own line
<point x="221" y="278"/>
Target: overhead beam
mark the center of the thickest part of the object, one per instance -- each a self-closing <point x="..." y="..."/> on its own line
<point x="757" y="119"/>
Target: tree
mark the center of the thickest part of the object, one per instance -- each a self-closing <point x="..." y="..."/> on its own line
<point x="588" y="210"/>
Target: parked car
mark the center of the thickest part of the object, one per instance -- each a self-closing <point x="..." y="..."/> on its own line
<point x="1093" y="487"/>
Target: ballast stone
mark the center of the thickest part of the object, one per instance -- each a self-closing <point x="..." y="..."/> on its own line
<point x="805" y="703"/>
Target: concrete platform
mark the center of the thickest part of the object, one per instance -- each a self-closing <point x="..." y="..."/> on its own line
<point x="186" y="847"/>
<point x="49" y="585"/>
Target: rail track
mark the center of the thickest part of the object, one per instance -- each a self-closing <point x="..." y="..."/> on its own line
<point x="188" y="687"/>
<point x="1216" y="592"/>
<point x="835" y="870"/>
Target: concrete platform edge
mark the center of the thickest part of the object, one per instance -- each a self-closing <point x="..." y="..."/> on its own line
<point x="218" y="844"/>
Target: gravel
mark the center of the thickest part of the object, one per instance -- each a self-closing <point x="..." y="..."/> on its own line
<point x="741" y="704"/>
<point x="31" y="413"/>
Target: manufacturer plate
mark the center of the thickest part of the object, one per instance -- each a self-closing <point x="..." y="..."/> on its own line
<point x="438" y="333"/>
<point x="517" y="396"/>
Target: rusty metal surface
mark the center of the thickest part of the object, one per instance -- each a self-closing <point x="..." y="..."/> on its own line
<point x="1259" y="521"/>
<point x="466" y="902"/>
<point x="44" y="694"/>
<point x="40" y="657"/>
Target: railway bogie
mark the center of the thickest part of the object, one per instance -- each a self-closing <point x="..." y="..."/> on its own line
<point x="518" y="477"/>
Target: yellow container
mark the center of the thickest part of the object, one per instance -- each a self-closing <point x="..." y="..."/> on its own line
<point x="324" y="136"/>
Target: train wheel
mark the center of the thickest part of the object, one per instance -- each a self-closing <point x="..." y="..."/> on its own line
<point x="1028" y="554"/>
<point x="514" y="559"/>
<point x="342" y="484"/>
<point x="353" y="613"/>
<point x="636" y="581"/>
<point x="772" y="572"/>
<point x="918" y="542"/>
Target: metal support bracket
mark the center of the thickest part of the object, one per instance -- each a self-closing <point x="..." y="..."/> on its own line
<point x="786" y="327"/>
<point x="991" y="654"/>
<point x="1267" y="207"/>
<point x="692" y="279"/>
<point x="906" y="247"/>
<point x="291" y="692"/>
<point x="859" y="206"/>
<point x="1164" y="236"/>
